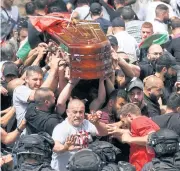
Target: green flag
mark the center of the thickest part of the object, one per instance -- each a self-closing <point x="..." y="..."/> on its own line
<point x="23" y="50"/>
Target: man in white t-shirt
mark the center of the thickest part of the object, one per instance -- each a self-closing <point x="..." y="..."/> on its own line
<point x="24" y="94"/>
<point x="71" y="135"/>
<point x="9" y="17"/>
<point x="150" y="10"/>
<point x="126" y="42"/>
<point x="160" y="23"/>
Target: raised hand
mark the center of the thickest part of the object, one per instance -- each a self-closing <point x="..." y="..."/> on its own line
<point x="70" y="143"/>
<point x="3" y="91"/>
<point x="95" y="117"/>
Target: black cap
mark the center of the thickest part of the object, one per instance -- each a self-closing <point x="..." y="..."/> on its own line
<point x="135" y="83"/>
<point x="10" y="69"/>
<point x="168" y="60"/>
<point x="95" y="8"/>
<point x="118" y="22"/>
<point x="112" y="40"/>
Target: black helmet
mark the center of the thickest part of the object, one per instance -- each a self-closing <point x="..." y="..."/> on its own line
<point x="125" y="166"/>
<point x="111" y="167"/>
<point x="85" y="160"/>
<point x="35" y="145"/>
<point x="164" y="142"/>
<point x="105" y="150"/>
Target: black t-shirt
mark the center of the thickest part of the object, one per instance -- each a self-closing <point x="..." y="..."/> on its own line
<point x="6" y="101"/>
<point x="152" y="106"/>
<point x="38" y="121"/>
<point x="170" y="121"/>
<point x="104" y="24"/>
<point x="146" y="69"/>
<point x="173" y="48"/>
<point x="144" y="110"/>
<point x="168" y="89"/>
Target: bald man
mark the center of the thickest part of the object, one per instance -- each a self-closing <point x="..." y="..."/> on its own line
<point x="153" y="87"/>
<point x="71" y="135"/>
<point x="147" y="66"/>
<point x="40" y="115"/>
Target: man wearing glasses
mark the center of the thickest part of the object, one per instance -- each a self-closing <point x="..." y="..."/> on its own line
<point x="148" y="66"/>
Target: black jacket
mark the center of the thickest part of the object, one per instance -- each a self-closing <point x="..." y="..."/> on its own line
<point x="153" y="107"/>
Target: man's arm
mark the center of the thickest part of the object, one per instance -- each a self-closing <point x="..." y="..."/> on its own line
<point x="136" y="70"/>
<point x="5" y="119"/>
<point x="65" y="95"/>
<point x="101" y="127"/>
<point x="31" y="57"/>
<point x="100" y="100"/>
<point x="127" y="138"/>
<point x="109" y="86"/>
<point x="8" y="138"/>
<point x="126" y="68"/>
<point x="5" y="111"/>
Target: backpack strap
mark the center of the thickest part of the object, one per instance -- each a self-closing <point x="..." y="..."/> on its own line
<point x="9" y="17"/>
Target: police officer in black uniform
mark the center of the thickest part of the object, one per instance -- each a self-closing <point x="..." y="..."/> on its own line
<point x="34" y="152"/>
<point x="166" y="144"/>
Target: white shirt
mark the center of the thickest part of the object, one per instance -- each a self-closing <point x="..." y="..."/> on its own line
<point x="127" y="44"/>
<point x="175" y="4"/>
<point x="60" y="133"/>
<point x="20" y="101"/>
<point x="83" y="12"/>
<point x="13" y="13"/>
<point x="160" y="27"/>
<point x="150" y="11"/>
<point x="139" y="7"/>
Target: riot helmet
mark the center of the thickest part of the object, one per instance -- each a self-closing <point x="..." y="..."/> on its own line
<point x="164" y="142"/>
<point x="35" y="146"/>
<point x="125" y="166"/>
<point x="85" y="160"/>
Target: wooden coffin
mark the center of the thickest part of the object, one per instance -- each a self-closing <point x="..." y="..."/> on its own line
<point x="88" y="49"/>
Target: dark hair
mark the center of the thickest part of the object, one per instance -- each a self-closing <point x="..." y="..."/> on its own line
<point x="22" y="23"/>
<point x="7" y="50"/>
<point x="82" y="2"/>
<point x="34" y="68"/>
<point x="129" y="108"/>
<point x="175" y="23"/>
<point x="41" y="4"/>
<point x="160" y="67"/>
<point x="117" y="94"/>
<point x="41" y="95"/>
<point x="127" y="13"/>
<point x="113" y="95"/>
<point x="173" y="101"/>
<point x="166" y="1"/>
<point x="161" y="8"/>
<point x="122" y="93"/>
<point x="30" y="8"/>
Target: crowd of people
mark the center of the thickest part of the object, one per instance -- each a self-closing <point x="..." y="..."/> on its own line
<point x="128" y="120"/>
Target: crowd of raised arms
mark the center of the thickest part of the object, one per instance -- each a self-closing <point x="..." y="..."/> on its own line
<point x="127" y="120"/>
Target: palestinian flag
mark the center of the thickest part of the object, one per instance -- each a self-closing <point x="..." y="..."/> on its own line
<point x="23" y="50"/>
<point x="37" y="26"/>
<point x="159" y="39"/>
